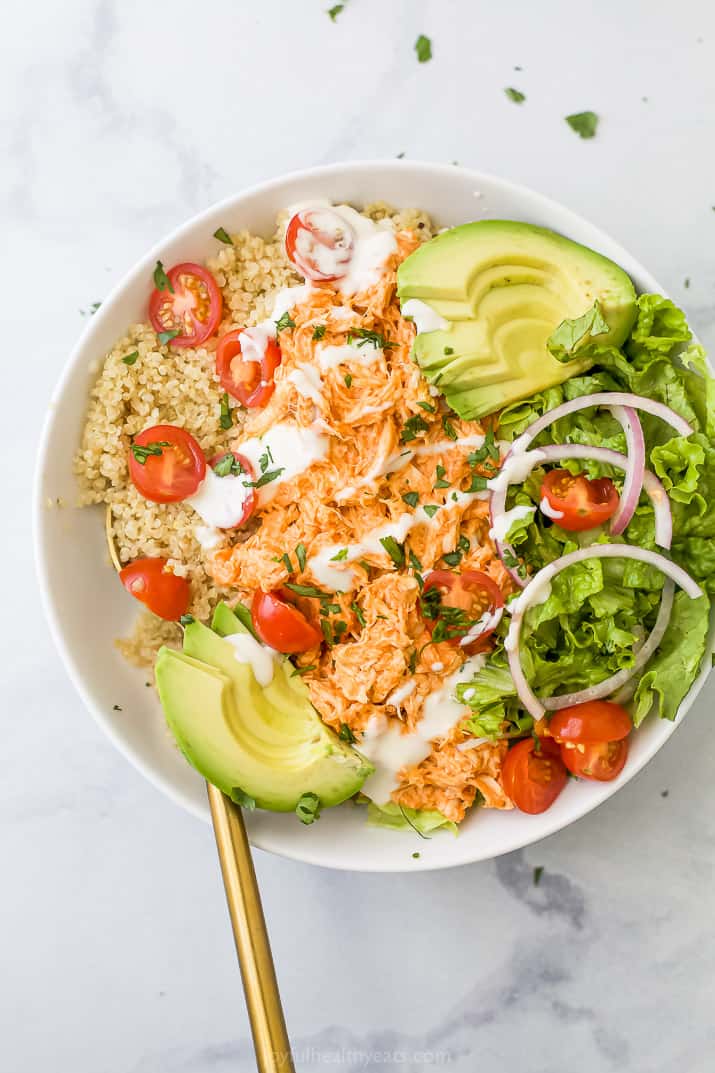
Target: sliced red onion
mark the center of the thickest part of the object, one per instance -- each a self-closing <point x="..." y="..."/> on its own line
<point x="602" y="398"/>
<point x="538" y="586"/>
<point x="556" y="453"/>
<point x="616" y="681"/>
<point x="633" y="480"/>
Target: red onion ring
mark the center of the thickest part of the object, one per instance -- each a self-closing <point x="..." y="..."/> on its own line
<point x="633" y="480"/>
<point x="555" y="453"/>
<point x="531" y="593"/>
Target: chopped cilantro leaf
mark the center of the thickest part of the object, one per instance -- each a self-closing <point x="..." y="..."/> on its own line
<point x="515" y="95"/>
<point x="228" y="466"/>
<point x="348" y="380"/>
<point x="186" y="620"/>
<point x="426" y="406"/>
<point x="284" y="322"/>
<point x="166" y="337"/>
<point x="448" y="350"/>
<point x="223" y="236"/>
<point x="319" y="331"/>
<point x="265" y="478"/>
<point x="411" y="498"/>
<point x="340" y="556"/>
<point x="414" y="561"/>
<point x="367" y="337"/>
<point x="440" y="482"/>
<point x="131" y="358"/>
<point x="143" y="451"/>
<point x="412" y="427"/>
<point x="463" y="544"/>
<point x="478" y="484"/>
<point x="584" y="123"/>
<point x="161" y="280"/>
<point x="346" y="734"/>
<point x="449" y="429"/>
<point x="453" y="558"/>
<point x="334" y="11"/>
<point x="431" y="509"/>
<point x="423" y="48"/>
<point x="226" y="418"/>
<point x="394" y="550"/>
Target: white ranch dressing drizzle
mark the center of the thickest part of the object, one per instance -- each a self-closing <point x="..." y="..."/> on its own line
<point x="515" y="469"/>
<point x="219" y="500"/>
<point x="330" y="356"/>
<point x="331" y="577"/>
<point x="546" y="508"/>
<point x="402" y="693"/>
<point x="260" y="658"/>
<point x="294" y="449"/>
<point x="488" y="621"/>
<point x="390" y="750"/>
<point x="307" y="382"/>
<point x="426" y="319"/>
<point x="208" y="537"/>
<point x="500" y="530"/>
<point x="373" y="243"/>
<point x="255" y="340"/>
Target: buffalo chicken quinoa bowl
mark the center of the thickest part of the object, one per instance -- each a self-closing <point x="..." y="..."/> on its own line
<point x="419" y="518"/>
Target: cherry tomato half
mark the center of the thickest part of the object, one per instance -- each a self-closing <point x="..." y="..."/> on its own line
<point x="533" y="780"/>
<point x="166" y="464"/>
<point x="472" y="593"/>
<point x="320" y="244"/>
<point x="245" y="472"/>
<point x="248" y="378"/>
<point x="593" y="721"/>
<point x="583" y="503"/>
<point x="281" y="625"/>
<point x="164" y="593"/>
<point x="191" y="305"/>
<point x="598" y="760"/>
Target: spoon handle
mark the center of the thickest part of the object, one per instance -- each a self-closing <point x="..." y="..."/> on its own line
<point x="265" y="1012"/>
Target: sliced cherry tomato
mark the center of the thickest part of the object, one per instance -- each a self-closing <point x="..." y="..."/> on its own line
<point x="247" y="377"/>
<point x="245" y="472"/>
<point x="191" y="305"/>
<point x="533" y="780"/>
<point x="583" y="503"/>
<point x="593" y="721"/>
<point x="281" y="625"/>
<point x="166" y="464"/>
<point x="463" y="599"/>
<point x="320" y="244"/>
<point x="164" y="593"/>
<point x="598" y="760"/>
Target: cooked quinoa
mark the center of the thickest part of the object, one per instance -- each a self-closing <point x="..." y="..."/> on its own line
<point x="180" y="387"/>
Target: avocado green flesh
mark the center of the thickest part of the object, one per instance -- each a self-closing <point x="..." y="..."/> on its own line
<point x="505" y="287"/>
<point x="267" y="742"/>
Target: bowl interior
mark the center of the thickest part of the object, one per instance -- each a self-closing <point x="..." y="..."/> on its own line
<point x="88" y="609"/>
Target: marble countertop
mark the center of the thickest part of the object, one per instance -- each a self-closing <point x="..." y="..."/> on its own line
<point x="118" y="122"/>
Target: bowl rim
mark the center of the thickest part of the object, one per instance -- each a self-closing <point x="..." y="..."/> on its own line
<point x="301" y="850"/>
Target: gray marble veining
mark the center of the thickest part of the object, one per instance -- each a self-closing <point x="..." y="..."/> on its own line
<point x="119" y="120"/>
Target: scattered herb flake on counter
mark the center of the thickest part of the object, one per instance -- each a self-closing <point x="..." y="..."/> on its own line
<point x="116" y="708"/>
<point x="423" y="48"/>
<point x="91" y="311"/>
<point x="226" y="419"/>
<point x="686" y="282"/>
<point x="538" y="872"/>
<point x="285" y="322"/>
<point x="142" y="452"/>
<point x="334" y="11"/>
<point x="129" y="359"/>
<point x="223" y="236"/>
<point x="308" y="808"/>
<point x="161" y="280"/>
<point x="515" y="95"/>
<point x="584" y="123"/>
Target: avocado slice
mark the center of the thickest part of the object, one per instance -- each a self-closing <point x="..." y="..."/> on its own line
<point x="264" y="741"/>
<point x="504" y="287"/>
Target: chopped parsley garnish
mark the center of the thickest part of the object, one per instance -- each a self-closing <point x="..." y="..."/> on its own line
<point x="166" y="337"/>
<point x="584" y="123"/>
<point x="449" y="429"/>
<point x="319" y="331"/>
<point x="448" y="350"/>
<point x="538" y="872"/>
<point x="228" y="466"/>
<point x="431" y="509"/>
<point x="426" y="406"/>
<point x="348" y="380"/>
<point x="463" y="544"/>
<point x="300" y="671"/>
<point x="440" y="482"/>
<point x="143" y="451"/>
<point x="243" y="799"/>
<point x="394" y="550"/>
<point x="284" y="322"/>
<point x="414" y="561"/>
<point x="307" y="590"/>
<point x="411" y="498"/>
<point x="223" y="236"/>
<point x="334" y="11"/>
<point x="366" y="336"/>
<point x="265" y="478"/>
<point x="515" y="95"/>
<point x="453" y="558"/>
<point x="300" y="555"/>
<point x="423" y="48"/>
<point x="186" y="620"/>
<point x="412" y="427"/>
<point x="308" y="808"/>
<point x="340" y="556"/>
<point x="478" y="484"/>
<point x="226" y="418"/>
<point x="355" y="607"/>
<point x="131" y="358"/>
<point x="161" y="280"/>
<point x="346" y="734"/>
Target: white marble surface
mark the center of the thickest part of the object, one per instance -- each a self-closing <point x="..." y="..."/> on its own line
<point x="119" y="120"/>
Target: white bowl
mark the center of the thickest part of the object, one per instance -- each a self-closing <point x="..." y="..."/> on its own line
<point x="88" y="609"/>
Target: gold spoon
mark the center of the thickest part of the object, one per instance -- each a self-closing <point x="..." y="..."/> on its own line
<point x="265" y="1012"/>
